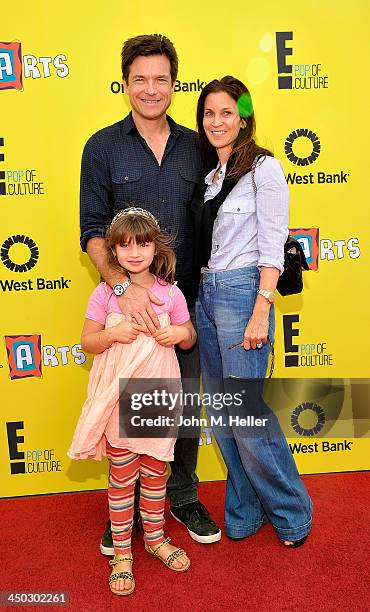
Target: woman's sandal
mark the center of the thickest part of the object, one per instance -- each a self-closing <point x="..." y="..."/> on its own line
<point x="297" y="543"/>
<point x="171" y="557"/>
<point x="121" y="575"/>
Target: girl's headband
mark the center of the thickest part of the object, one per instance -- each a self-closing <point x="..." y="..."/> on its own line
<point x="133" y="210"/>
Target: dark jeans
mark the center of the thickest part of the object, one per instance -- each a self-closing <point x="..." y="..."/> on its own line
<point x="183" y="481"/>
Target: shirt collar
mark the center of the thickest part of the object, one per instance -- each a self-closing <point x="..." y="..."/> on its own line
<point x="128" y="125"/>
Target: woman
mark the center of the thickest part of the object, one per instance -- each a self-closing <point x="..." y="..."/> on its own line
<point x="241" y="224"/>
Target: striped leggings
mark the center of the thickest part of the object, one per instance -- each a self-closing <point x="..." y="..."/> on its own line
<point x="125" y="467"/>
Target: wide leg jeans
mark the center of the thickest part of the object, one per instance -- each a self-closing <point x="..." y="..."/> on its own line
<point x="263" y="483"/>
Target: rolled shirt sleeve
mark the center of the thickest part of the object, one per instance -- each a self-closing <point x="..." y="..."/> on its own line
<point x="272" y="209"/>
<point x="95" y="192"/>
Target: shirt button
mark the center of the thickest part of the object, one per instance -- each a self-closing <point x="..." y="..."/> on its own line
<point x="126" y="178"/>
<point x="238" y="209"/>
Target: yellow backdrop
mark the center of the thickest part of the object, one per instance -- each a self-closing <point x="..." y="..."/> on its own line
<point x="59" y="83"/>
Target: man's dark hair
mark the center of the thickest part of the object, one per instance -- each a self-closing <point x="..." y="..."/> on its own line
<point x="148" y="44"/>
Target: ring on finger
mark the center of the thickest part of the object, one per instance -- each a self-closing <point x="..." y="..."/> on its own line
<point x="259" y="345"/>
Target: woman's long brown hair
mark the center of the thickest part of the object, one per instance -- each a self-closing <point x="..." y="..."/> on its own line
<point x="245" y="149"/>
<point x="140" y="229"/>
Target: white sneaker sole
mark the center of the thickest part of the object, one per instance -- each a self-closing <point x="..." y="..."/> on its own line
<point x="107" y="551"/>
<point x="210" y="539"/>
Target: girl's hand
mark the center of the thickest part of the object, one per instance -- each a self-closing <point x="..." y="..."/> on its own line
<point x="257" y="328"/>
<point x="173" y="334"/>
<point x="126" y="331"/>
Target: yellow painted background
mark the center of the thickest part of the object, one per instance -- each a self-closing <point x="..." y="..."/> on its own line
<point x="46" y="125"/>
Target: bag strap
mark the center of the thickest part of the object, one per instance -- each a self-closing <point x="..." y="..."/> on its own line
<point x="272" y="350"/>
<point x="253" y="171"/>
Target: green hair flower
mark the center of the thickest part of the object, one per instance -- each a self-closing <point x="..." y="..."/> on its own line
<point x="244" y="104"/>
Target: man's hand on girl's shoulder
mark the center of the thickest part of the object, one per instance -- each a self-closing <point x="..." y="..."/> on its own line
<point x="136" y="304"/>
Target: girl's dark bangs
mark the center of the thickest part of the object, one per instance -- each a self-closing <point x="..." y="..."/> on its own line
<point x="138" y="237"/>
<point x="134" y="229"/>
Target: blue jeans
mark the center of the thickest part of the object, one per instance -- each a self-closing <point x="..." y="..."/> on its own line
<point x="263" y="483"/>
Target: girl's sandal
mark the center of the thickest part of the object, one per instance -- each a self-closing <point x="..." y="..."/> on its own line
<point x="171" y="557"/>
<point x="121" y="575"/>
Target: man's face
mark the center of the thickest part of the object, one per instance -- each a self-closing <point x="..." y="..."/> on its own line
<point x="149" y="86"/>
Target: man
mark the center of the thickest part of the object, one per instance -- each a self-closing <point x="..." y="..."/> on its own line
<point x="149" y="160"/>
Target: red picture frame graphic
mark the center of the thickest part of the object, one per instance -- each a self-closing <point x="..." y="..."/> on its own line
<point x="33" y="342"/>
<point x="15" y="80"/>
<point x="311" y="234"/>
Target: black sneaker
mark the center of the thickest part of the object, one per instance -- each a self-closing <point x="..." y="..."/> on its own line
<point x="106" y="543"/>
<point x="198" y="522"/>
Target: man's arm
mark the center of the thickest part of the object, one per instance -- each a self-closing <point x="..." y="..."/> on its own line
<point x="96" y="196"/>
<point x="97" y="251"/>
<point x="96" y="212"/>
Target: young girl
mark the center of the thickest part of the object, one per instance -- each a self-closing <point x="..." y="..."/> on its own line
<point x="123" y="351"/>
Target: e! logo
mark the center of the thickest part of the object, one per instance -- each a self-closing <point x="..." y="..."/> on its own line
<point x="291" y="361"/>
<point x="285" y="80"/>
<point x="17" y="463"/>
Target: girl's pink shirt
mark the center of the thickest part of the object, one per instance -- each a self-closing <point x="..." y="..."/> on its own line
<point x="103" y="300"/>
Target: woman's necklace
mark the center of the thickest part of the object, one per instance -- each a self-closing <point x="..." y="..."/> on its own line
<point x="218" y="173"/>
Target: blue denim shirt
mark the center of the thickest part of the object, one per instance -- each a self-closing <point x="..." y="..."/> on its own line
<point x="119" y="169"/>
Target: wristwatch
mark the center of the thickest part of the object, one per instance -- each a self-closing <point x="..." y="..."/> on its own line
<point x="120" y="288"/>
<point x="269" y="295"/>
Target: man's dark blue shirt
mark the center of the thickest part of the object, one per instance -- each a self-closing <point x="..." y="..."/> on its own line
<point x="119" y="169"/>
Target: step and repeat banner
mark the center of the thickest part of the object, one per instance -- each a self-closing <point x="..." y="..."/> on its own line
<point x="60" y="81"/>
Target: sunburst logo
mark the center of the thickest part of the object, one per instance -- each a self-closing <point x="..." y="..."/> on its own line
<point x="306" y="138"/>
<point x="11" y="244"/>
<point x="312" y="412"/>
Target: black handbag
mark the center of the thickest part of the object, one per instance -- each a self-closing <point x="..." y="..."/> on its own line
<point x="290" y="281"/>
